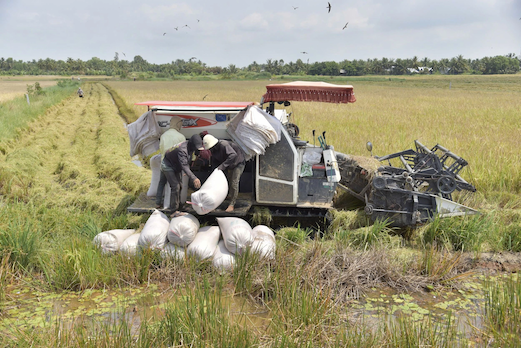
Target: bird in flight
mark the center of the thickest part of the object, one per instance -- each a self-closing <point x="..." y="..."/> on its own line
<point x="186" y="25"/>
<point x="294" y="7"/>
<point x="197" y="21"/>
<point x="164" y="34"/>
<point x="328" y="7"/>
<point x="176" y="28"/>
<point x="124" y="54"/>
<point x="345" y="26"/>
<point x="304" y="52"/>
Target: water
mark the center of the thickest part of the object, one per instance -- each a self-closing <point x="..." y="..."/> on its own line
<point x="26" y="308"/>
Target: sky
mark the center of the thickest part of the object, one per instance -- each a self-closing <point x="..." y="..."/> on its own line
<point x="239" y="32"/>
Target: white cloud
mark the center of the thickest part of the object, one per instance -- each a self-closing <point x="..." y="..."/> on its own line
<point x="254" y="22"/>
<point x="164" y="13"/>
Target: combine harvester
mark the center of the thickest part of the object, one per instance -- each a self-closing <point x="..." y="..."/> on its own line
<point x="298" y="181"/>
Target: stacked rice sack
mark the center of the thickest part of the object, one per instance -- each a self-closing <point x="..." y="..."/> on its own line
<point x="183" y="237"/>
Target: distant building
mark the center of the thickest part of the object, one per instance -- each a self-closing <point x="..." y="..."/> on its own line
<point x="420" y="70"/>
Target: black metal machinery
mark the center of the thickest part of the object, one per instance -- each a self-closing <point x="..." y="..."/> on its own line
<point x="412" y="193"/>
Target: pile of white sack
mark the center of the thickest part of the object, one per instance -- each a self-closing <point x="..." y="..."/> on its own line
<point x="183" y="237"/>
<point x="254" y="130"/>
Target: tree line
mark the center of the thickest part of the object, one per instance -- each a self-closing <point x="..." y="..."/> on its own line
<point x="140" y="68"/>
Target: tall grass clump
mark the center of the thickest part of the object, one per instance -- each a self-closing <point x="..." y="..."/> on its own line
<point x="471" y="233"/>
<point x="294" y="235"/>
<point x="378" y="234"/>
<point x="201" y="319"/>
<point x="402" y="332"/>
<point x="511" y="237"/>
<point x="77" y="264"/>
<point x="87" y="333"/>
<point x="302" y="314"/>
<point x="4" y="271"/>
<point x="15" y="114"/>
<point x="245" y="270"/>
<point x="503" y="311"/>
<point x="21" y="240"/>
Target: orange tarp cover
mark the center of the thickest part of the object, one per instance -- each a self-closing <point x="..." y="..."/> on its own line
<point x="309" y="91"/>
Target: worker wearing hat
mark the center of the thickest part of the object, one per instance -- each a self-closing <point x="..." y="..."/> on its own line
<point x="227" y="155"/>
<point x="176" y="162"/>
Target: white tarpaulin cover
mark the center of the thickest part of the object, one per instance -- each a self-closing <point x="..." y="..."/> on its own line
<point x="144" y="135"/>
<point x="254" y="130"/>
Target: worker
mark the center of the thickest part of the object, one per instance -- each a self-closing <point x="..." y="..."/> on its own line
<point x="227" y="155"/>
<point x="176" y="162"/>
<point x="169" y="140"/>
<point x="80" y="92"/>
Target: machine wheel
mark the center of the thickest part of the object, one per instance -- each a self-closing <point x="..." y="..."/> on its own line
<point x="379" y="183"/>
<point x="292" y="129"/>
<point x="446" y="184"/>
<point x="369" y="209"/>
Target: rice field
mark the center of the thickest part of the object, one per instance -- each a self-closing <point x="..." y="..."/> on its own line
<point x="66" y="175"/>
<point x="12" y="87"/>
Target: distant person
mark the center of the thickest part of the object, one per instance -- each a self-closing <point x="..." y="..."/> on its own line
<point x="227" y="155"/>
<point x="80" y="92"/>
<point x="168" y="141"/>
<point x="177" y="162"/>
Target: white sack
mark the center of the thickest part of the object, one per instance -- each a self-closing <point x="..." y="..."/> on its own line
<point x="211" y="194"/>
<point x="182" y="230"/>
<point x="205" y="242"/>
<point x="223" y="259"/>
<point x="171" y="251"/>
<point x="263" y="241"/>
<point x="144" y="135"/>
<point x="312" y="157"/>
<point x="129" y="246"/>
<point x="154" y="233"/>
<point x="110" y="241"/>
<point x="155" y="166"/>
<point x="253" y="130"/>
<point x="236" y="234"/>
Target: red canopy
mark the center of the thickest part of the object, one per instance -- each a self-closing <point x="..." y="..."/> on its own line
<point x="207" y="104"/>
<point x="309" y="91"/>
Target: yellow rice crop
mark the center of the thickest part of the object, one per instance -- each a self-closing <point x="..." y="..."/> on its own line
<point x="76" y="155"/>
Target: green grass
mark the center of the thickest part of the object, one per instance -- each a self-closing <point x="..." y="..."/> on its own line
<point x="503" y="312"/>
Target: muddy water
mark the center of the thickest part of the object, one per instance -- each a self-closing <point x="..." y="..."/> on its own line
<point x="25" y="308"/>
<point x="464" y="304"/>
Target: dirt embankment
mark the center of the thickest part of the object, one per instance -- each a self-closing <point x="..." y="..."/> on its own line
<point x="492" y="262"/>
